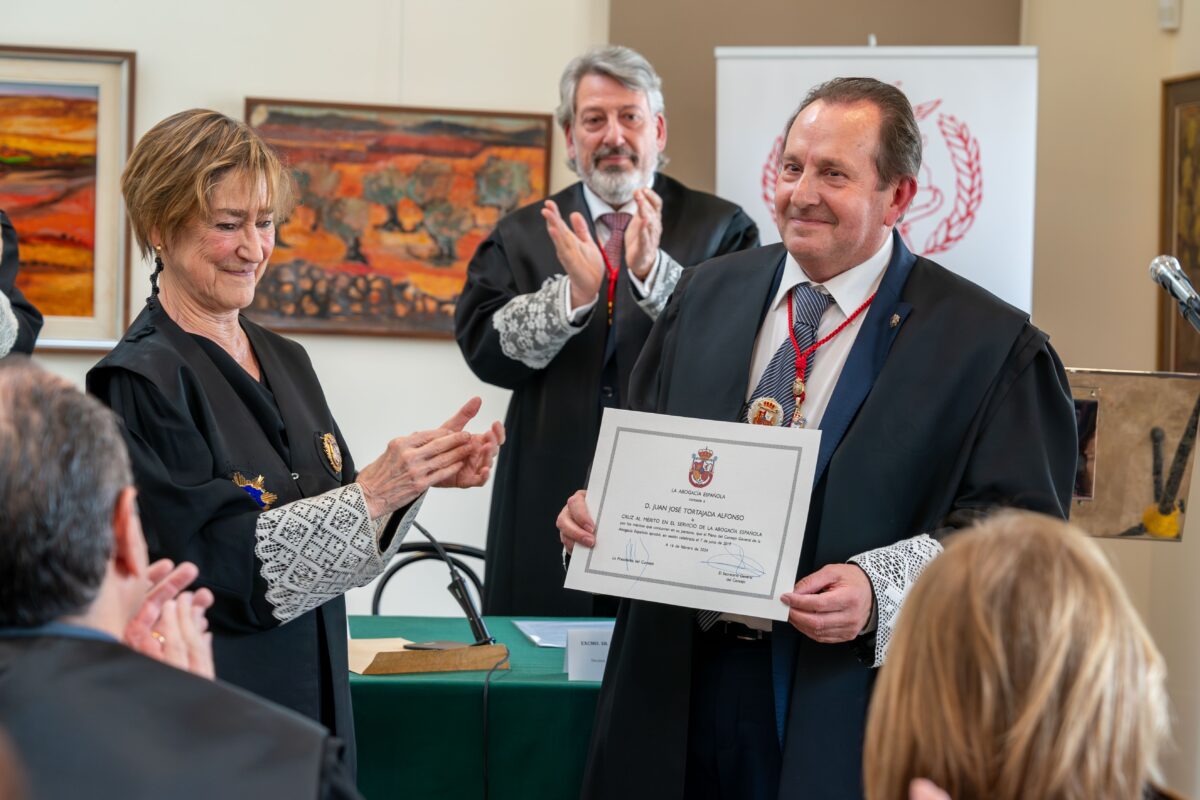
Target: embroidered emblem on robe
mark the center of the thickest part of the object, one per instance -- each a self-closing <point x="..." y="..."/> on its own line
<point x="333" y="453"/>
<point x="255" y="489"/>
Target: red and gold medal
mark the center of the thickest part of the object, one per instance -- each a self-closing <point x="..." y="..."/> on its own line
<point x="765" y="411"/>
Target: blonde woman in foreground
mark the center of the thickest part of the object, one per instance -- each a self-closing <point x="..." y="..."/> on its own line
<point x="1018" y="669"/>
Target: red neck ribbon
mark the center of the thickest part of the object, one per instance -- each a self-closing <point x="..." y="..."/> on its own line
<point x="802" y="356"/>
<point x="612" y="282"/>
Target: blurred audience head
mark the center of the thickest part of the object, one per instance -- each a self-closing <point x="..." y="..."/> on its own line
<point x="1018" y="669"/>
<point x="67" y="510"/>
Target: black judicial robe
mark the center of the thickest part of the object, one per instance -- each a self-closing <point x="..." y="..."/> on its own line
<point x="192" y="418"/>
<point x="29" y="319"/>
<point x="92" y="718"/>
<point x="554" y="415"/>
<point x="958" y="407"/>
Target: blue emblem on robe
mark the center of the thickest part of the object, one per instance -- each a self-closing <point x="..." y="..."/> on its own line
<point x="255" y="489"/>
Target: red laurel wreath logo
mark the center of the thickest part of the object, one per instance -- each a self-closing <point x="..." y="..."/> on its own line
<point x="963" y="149"/>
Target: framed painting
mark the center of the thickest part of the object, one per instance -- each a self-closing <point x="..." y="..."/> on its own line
<point x="392" y="204"/>
<point x="1137" y="448"/>
<point x="66" y="128"/>
<point x="1179" y="343"/>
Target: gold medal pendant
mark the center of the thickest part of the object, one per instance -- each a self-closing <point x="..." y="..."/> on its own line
<point x="765" y="411"/>
<point x="798" y="420"/>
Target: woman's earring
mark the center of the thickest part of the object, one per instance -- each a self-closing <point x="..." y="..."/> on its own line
<point x="158" y="267"/>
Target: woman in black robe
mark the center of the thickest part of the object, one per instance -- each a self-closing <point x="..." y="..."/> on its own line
<point x="239" y="464"/>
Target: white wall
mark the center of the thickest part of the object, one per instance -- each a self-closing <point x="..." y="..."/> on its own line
<point x="446" y="53"/>
<point x="1102" y="64"/>
<point x="1174" y="584"/>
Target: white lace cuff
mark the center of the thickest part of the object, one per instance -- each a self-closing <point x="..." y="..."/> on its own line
<point x="313" y="550"/>
<point x="8" y="325"/>
<point x="660" y="285"/>
<point x="892" y="571"/>
<point x="576" y="316"/>
<point x="534" y="327"/>
<point x="642" y="287"/>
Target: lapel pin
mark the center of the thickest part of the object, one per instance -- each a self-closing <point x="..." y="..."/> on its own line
<point x="895" y="321"/>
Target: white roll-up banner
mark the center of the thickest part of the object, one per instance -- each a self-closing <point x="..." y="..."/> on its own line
<point x="977" y="110"/>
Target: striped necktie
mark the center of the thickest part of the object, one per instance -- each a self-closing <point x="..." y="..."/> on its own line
<point x="776" y="382"/>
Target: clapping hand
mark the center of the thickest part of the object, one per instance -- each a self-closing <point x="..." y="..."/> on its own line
<point x="643" y="234"/>
<point x="446" y="456"/>
<point x="476" y="466"/>
<point x="171" y="625"/>
<point x="577" y="252"/>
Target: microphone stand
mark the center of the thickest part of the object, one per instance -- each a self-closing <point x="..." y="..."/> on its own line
<point x="1191" y="312"/>
<point x="457" y="588"/>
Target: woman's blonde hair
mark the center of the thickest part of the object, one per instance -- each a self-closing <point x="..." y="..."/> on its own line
<point x="169" y="178"/>
<point x="1018" y="669"/>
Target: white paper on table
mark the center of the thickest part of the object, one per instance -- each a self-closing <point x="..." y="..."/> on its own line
<point x="697" y="513"/>
<point x="587" y="653"/>
<point x="553" y="633"/>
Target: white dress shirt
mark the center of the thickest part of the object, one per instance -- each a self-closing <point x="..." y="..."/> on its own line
<point x="849" y="290"/>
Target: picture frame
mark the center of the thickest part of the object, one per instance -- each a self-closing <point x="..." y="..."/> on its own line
<point x="1137" y="452"/>
<point x="66" y="130"/>
<point x="1179" y="215"/>
<point x="393" y="201"/>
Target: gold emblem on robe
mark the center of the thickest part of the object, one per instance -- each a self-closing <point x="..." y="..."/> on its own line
<point x="333" y="453"/>
<point x="255" y="489"/>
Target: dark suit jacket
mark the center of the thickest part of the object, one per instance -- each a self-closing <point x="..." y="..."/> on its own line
<point x="958" y="407"/>
<point x="554" y="416"/>
<point x="29" y="319"/>
<point x="91" y="718"/>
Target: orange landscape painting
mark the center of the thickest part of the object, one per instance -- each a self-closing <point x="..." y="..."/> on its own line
<point x="48" y="188"/>
<point x="393" y="203"/>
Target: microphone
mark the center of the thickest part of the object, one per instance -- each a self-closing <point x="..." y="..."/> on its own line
<point x="1167" y="273"/>
<point x="457" y="588"/>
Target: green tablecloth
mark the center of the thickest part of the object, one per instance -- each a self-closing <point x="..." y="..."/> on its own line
<point x="421" y="736"/>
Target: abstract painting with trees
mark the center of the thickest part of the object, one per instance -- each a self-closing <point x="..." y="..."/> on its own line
<point x="392" y="204"/>
<point x="48" y="188"/>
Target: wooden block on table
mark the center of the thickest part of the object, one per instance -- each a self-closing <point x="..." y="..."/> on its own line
<point x="388" y="657"/>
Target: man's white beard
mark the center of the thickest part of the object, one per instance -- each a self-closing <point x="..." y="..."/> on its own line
<point x="616" y="187"/>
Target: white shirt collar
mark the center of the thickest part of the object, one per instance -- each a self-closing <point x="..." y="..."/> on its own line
<point x="596" y="206"/>
<point x="849" y="289"/>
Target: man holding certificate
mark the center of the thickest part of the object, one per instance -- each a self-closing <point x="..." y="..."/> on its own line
<point x="935" y="401"/>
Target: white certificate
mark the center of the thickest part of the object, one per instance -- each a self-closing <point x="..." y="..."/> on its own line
<point x="708" y="515"/>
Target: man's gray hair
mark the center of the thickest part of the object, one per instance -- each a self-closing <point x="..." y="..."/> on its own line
<point x="63" y="464"/>
<point x="624" y="65"/>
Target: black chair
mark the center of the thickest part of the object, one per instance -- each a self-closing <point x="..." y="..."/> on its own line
<point x="412" y="552"/>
